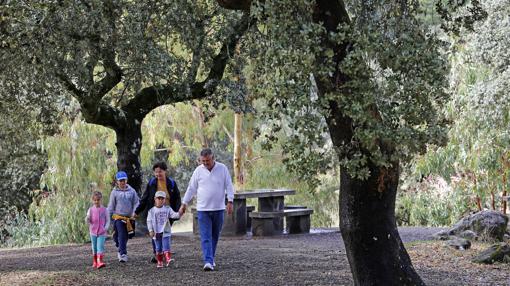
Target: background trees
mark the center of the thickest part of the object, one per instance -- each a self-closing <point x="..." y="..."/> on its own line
<point x="475" y="161"/>
<point x="373" y="76"/>
<point x="119" y="59"/>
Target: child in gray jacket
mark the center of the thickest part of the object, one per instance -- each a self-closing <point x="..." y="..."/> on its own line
<point x="123" y="202"/>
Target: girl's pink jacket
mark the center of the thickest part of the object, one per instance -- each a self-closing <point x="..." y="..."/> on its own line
<point x="98" y="220"/>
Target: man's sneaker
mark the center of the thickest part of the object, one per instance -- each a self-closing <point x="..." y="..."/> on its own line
<point x="123" y="258"/>
<point x="208" y="267"/>
<point x="214" y="264"/>
<point x="119" y="257"/>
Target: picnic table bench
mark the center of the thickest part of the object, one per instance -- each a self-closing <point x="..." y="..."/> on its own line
<point x="297" y="221"/>
<point x="269" y="201"/>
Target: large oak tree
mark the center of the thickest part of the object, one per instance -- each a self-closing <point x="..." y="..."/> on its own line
<point x="376" y="76"/>
<point x="118" y="59"/>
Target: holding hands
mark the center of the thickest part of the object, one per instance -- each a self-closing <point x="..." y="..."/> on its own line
<point x="182" y="209"/>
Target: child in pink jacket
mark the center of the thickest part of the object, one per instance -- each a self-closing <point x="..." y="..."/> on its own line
<point x="98" y="220"/>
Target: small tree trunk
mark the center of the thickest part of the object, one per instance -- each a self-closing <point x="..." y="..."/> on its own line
<point x="129" y="144"/>
<point x="238" y="170"/>
<point x="197" y="110"/>
<point x="248" y="163"/>
<point x="493" y="203"/>
<point x="367" y="219"/>
<point x="478" y="203"/>
<point x="249" y="137"/>
<point x="504" y="193"/>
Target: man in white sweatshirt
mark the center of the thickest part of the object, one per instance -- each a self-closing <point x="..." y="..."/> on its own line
<point x="209" y="183"/>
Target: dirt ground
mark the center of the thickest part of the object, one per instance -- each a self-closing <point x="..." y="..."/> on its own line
<point x="311" y="259"/>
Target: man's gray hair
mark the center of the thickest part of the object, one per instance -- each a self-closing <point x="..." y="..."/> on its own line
<point x="206" y="152"/>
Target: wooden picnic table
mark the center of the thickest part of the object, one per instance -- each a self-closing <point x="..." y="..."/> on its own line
<point x="269" y="200"/>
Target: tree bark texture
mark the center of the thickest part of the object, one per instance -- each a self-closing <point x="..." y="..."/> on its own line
<point x="250" y="122"/>
<point x="129" y="145"/>
<point x="235" y="4"/>
<point x="238" y="137"/>
<point x="375" y="251"/>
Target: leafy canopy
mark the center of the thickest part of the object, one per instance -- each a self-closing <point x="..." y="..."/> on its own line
<point x="396" y="82"/>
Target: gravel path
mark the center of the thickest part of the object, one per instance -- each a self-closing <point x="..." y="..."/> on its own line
<point x="311" y="259"/>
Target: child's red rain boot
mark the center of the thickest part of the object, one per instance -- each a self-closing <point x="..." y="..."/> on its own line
<point x="94" y="262"/>
<point x="159" y="258"/>
<point x="168" y="257"/>
<point x="100" y="262"/>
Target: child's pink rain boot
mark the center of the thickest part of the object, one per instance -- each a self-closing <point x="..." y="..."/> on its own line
<point x="168" y="257"/>
<point x="159" y="258"/>
<point x="100" y="262"/>
<point x="94" y="262"/>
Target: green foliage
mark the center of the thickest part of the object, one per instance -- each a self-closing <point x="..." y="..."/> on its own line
<point x="80" y="160"/>
<point x="477" y="154"/>
<point x="432" y="203"/>
<point x="48" y="44"/>
<point x="22" y="158"/>
<point x="397" y="83"/>
<point x="16" y="228"/>
<point x="180" y="131"/>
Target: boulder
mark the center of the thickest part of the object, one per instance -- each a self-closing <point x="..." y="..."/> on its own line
<point x="459" y="243"/>
<point x="496" y="253"/>
<point x="468" y="234"/>
<point x="488" y="225"/>
<point x="442" y="235"/>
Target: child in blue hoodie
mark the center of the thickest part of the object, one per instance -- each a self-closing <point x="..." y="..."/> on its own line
<point x="123" y="202"/>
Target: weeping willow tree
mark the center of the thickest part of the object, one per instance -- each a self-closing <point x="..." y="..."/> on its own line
<point x="477" y="156"/>
<point x="118" y="59"/>
<point x="370" y="74"/>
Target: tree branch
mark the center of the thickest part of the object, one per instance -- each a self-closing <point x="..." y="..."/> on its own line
<point x="70" y="86"/>
<point x="112" y="69"/>
<point x="330" y="14"/>
<point x="152" y="97"/>
<point x="103" y="114"/>
<point x="235" y="4"/>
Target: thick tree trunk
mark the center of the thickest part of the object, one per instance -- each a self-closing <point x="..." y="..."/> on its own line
<point x="367" y="220"/>
<point x="129" y="144"/>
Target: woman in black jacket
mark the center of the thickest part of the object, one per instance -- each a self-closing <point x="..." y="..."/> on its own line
<point x="160" y="182"/>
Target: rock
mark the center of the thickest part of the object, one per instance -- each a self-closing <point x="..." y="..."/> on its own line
<point x="459" y="243"/>
<point x="496" y="253"/>
<point x="488" y="225"/>
<point x="468" y="234"/>
<point x="442" y="235"/>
